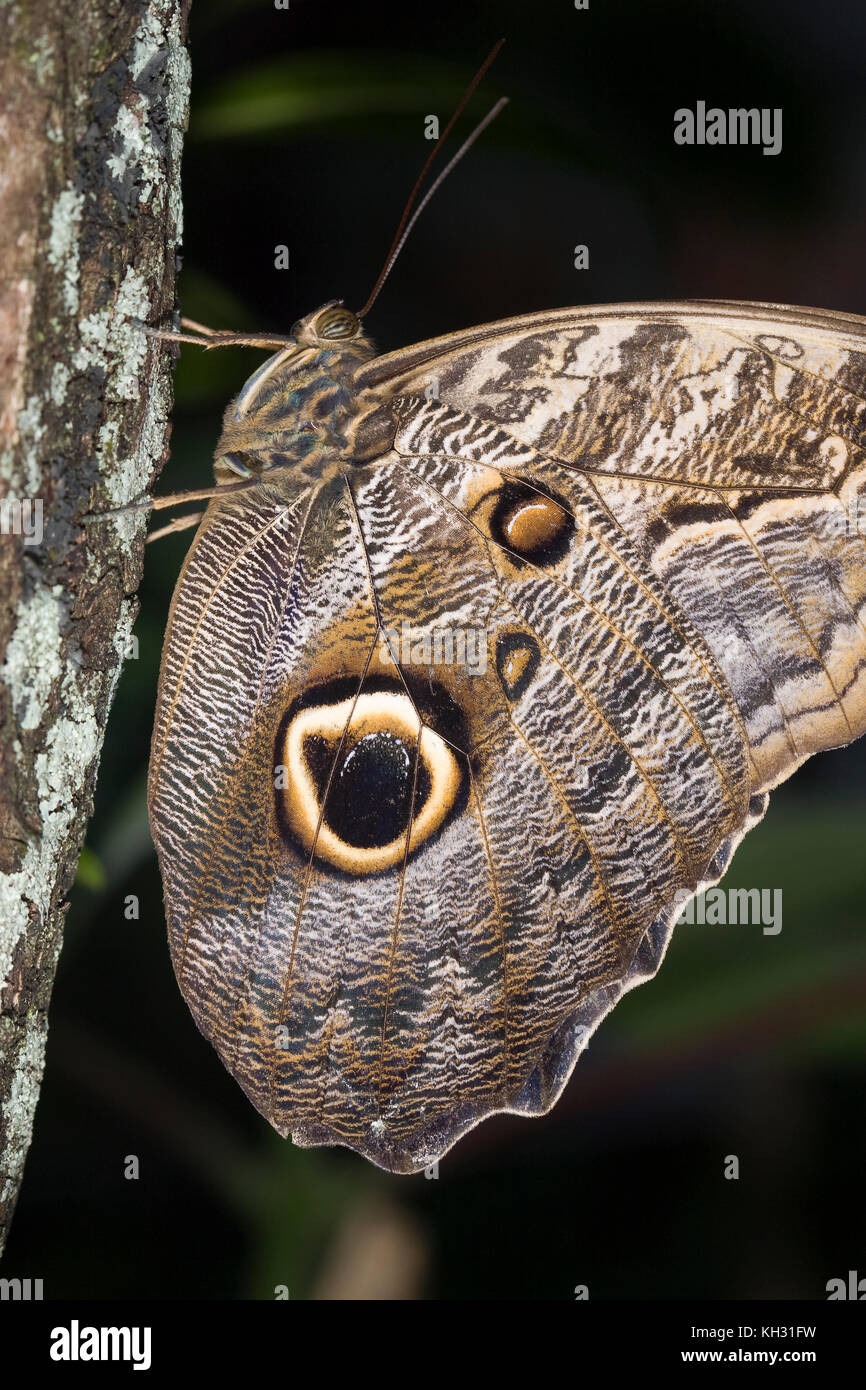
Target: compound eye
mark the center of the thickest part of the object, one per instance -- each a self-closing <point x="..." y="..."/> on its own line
<point x="337" y="322"/>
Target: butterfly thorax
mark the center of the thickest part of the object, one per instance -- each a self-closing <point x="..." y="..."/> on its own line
<point x="302" y="409"/>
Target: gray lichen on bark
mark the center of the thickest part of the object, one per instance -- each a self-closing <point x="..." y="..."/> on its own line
<point x="93" y="112"/>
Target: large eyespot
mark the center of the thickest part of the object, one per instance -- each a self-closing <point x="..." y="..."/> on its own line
<point x="356" y="773"/>
<point x="337" y="322"/>
<point x="530" y="523"/>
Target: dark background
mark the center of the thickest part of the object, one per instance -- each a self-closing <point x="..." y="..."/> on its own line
<point x="307" y="129"/>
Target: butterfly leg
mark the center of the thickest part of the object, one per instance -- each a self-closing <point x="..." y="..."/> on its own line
<point x="172" y="499"/>
<point x="208" y="338"/>
<point x="190" y="326"/>
<point x="180" y="523"/>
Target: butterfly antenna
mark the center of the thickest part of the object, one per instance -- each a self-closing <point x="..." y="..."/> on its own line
<point x="403" y="230"/>
<point x="467" y="145"/>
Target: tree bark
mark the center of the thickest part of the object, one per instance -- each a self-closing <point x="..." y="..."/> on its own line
<point x="94" y="102"/>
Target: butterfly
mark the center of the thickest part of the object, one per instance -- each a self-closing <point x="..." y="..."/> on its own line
<point x="486" y="655"/>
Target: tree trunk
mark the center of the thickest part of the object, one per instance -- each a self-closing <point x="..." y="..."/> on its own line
<point x="94" y="100"/>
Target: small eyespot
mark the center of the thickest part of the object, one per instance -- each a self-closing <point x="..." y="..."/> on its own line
<point x="337" y="322"/>
<point x="307" y="428"/>
<point x="517" y="660"/>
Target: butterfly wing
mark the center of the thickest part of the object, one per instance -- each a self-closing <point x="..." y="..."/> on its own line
<point x="560" y="785"/>
<point x="404" y="883"/>
<point x="726" y="440"/>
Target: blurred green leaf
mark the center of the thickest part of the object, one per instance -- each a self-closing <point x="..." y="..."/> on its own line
<point x="90" y="873"/>
<point x="299" y="90"/>
<point x="295" y="1201"/>
<point x="715" y="972"/>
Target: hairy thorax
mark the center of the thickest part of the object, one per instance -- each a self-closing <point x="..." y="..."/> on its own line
<point x="301" y="410"/>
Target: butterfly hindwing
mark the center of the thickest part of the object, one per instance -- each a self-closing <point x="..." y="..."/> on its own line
<point x="447" y="737"/>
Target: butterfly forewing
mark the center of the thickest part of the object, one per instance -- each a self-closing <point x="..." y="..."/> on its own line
<point x="727" y="441"/>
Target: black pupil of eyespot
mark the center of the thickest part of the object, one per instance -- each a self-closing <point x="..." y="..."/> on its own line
<point x="371" y="790"/>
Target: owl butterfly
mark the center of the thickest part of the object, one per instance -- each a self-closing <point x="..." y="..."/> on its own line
<point x="481" y="671"/>
<point x="403" y="890"/>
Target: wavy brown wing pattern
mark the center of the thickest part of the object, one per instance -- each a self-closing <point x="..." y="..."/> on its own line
<point x="403" y="891"/>
<point x="727" y="441"/>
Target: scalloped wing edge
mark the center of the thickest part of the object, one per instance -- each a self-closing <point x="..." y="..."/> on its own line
<point x="546" y="1082"/>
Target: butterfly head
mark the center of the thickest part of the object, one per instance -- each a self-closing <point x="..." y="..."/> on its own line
<point x="300" y="406"/>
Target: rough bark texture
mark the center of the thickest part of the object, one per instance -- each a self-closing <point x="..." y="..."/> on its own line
<point x="94" y="100"/>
